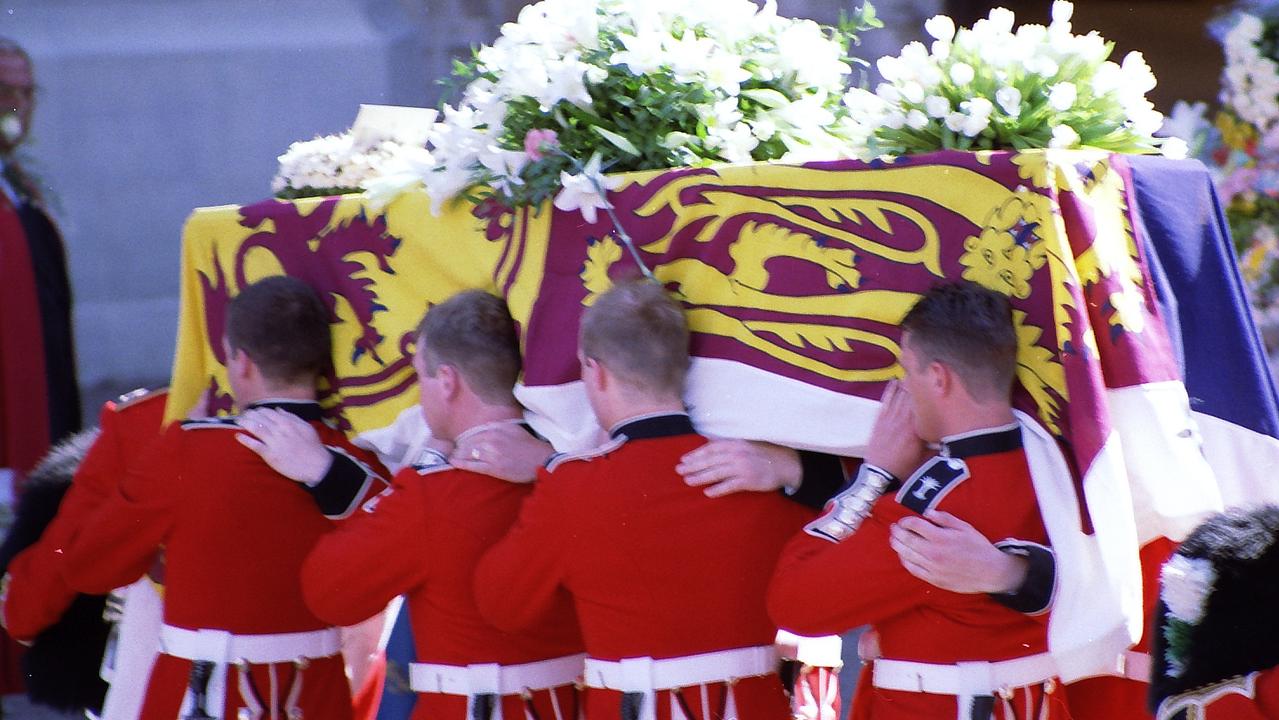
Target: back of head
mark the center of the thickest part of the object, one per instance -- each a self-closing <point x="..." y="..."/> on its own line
<point x="473" y="332"/>
<point x="968" y="328"/>
<point x="639" y="332"/>
<point x="283" y="326"/>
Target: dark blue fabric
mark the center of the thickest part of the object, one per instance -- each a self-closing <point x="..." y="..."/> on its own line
<point x="1198" y="283"/>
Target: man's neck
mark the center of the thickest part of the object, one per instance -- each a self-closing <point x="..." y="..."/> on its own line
<point x="977" y="417"/>
<point x="481" y="415"/>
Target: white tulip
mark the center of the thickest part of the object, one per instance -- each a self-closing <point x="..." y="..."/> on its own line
<point x="1009" y="100"/>
<point x="1064" y="136"/>
<point x="936" y="106"/>
<point x="962" y="73"/>
<point x="1001" y="20"/>
<point x="912" y="92"/>
<point x="940" y="27"/>
<point x="916" y="120"/>
<point x="1062" y="96"/>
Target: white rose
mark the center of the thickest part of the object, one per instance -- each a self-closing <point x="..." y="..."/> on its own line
<point x="916" y="120"/>
<point x="955" y="121"/>
<point x="895" y="120"/>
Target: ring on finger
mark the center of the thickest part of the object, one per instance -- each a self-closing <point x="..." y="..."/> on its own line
<point x="475" y="453"/>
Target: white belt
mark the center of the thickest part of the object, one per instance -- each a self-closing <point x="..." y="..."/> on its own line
<point x="646" y="674"/>
<point x="963" y="679"/>
<point x="1136" y="666"/>
<point x="223" y="647"/>
<point x="494" y="679"/>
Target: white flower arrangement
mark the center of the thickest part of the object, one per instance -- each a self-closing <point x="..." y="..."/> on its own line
<point x="1250" y="81"/>
<point x="637" y="85"/>
<point x="990" y="87"/>
<point x="339" y="164"/>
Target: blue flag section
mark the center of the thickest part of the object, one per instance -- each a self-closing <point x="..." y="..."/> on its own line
<point x="1225" y="367"/>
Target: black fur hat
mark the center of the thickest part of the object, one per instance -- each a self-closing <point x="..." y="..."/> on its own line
<point x="61" y="666"/>
<point x="1218" y="613"/>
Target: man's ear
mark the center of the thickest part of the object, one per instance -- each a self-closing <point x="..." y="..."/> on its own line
<point x="941" y="378"/>
<point x="449" y="379"/>
<point x="593" y="373"/>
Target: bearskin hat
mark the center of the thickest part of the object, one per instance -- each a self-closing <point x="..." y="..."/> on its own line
<point x="1218" y="595"/>
<point x="61" y="666"/>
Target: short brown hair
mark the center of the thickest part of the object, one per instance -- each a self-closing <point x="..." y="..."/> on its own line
<point x="639" y="331"/>
<point x="968" y="328"/>
<point x="283" y="326"/>
<point x="473" y="332"/>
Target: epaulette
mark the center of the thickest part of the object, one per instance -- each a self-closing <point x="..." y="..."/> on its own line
<point x="230" y="422"/>
<point x="587" y="455"/>
<point x="135" y="397"/>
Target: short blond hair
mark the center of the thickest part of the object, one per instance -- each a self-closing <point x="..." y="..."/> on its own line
<point x="473" y="333"/>
<point x="640" y="333"/>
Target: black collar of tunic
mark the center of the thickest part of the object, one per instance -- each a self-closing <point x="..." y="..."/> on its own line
<point x="984" y="442"/>
<point x="308" y="410"/>
<point x="655" y="426"/>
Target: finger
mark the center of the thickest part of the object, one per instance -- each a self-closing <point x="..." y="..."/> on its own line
<point x="727" y="487"/>
<point x="251" y="443"/>
<point x="944" y="519"/>
<point x="705" y="477"/>
<point x="922" y="528"/>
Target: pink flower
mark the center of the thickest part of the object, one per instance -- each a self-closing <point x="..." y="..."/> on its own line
<point x="537" y="141"/>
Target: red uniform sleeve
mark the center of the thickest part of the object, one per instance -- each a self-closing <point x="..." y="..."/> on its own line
<point x="520" y="579"/>
<point x="121" y="537"/>
<point x="825" y="588"/>
<point x="37" y="595"/>
<point x="373" y="556"/>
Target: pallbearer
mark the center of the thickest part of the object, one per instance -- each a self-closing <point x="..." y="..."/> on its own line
<point x="237" y="639"/>
<point x="424" y="536"/>
<point x="668" y="583"/>
<point x="941" y="655"/>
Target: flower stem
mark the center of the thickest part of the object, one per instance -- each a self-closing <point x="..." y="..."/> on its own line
<point x="618" y="230"/>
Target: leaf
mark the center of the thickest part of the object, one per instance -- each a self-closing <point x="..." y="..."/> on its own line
<point x="617" y="140"/>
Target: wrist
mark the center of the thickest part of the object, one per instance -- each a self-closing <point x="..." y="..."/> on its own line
<point x="320" y="465"/>
<point x="1010" y="574"/>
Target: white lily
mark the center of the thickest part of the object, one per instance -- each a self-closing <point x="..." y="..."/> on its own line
<point x="582" y="191"/>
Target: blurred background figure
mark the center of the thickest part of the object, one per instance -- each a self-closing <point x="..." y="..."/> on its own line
<point x="39" y="394"/>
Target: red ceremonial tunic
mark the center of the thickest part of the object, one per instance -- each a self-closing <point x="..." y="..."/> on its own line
<point x="37" y="593"/>
<point x="822" y="587"/>
<point x="235" y="534"/>
<point x="1252" y="697"/>
<point x="655" y="568"/>
<point x="428" y="532"/>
